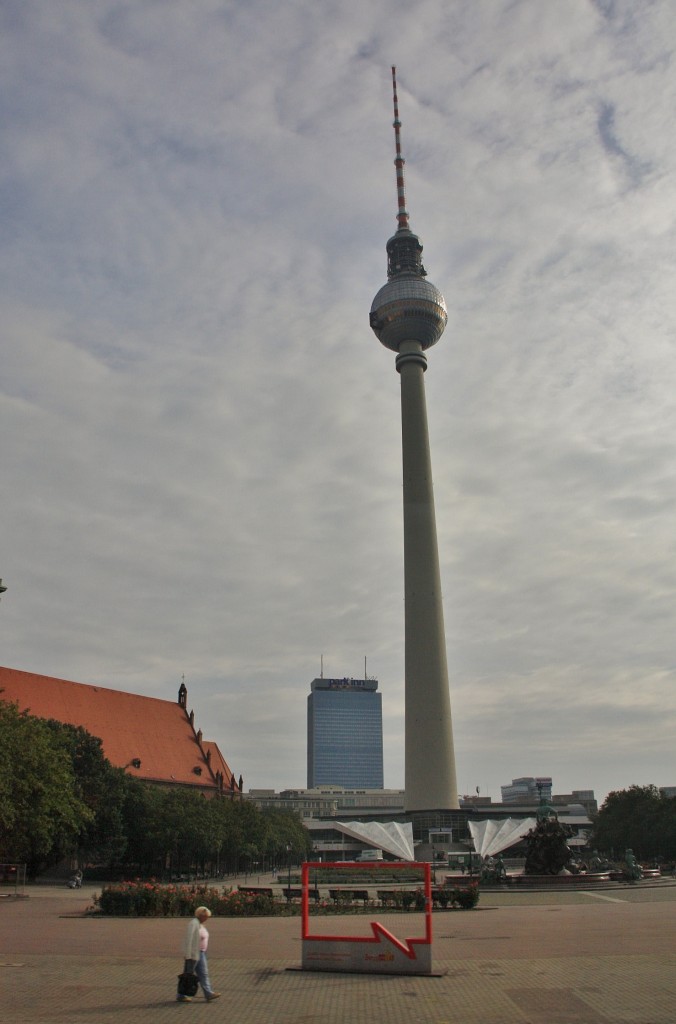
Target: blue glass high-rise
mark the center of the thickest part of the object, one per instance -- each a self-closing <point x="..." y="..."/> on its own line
<point x="345" y="734"/>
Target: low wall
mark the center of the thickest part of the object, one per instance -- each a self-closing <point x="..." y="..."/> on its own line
<point x="560" y="881"/>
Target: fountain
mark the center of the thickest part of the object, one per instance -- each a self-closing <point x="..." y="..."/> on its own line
<point x="549" y="860"/>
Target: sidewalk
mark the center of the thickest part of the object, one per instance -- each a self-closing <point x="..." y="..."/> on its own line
<point x="579" y="958"/>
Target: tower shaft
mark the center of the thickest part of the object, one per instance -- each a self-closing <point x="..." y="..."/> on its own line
<point x="430" y="778"/>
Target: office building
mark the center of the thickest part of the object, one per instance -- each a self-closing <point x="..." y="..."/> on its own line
<point x="333" y="802"/>
<point x="345" y="734"/>
<point x="527" y="790"/>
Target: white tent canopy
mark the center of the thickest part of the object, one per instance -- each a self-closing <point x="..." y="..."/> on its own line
<point x="492" y="837"/>
<point x="391" y="836"/>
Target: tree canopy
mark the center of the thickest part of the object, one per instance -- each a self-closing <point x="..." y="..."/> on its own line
<point x="41" y="809"/>
<point x="60" y="796"/>
<point x="640" y="818"/>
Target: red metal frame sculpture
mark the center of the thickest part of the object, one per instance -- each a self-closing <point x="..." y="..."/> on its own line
<point x="379" y="953"/>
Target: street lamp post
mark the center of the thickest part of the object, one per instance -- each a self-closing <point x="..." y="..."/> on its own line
<point x="288" y="865"/>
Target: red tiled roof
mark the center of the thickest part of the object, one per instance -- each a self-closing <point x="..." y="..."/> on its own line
<point x="217" y="763"/>
<point x="156" y="732"/>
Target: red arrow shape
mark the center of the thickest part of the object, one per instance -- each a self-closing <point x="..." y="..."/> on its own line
<point x="406" y="947"/>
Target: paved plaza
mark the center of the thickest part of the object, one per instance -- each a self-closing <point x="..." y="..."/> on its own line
<point x="520" y="958"/>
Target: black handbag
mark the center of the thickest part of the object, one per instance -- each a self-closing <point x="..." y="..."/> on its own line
<point x="187" y="984"/>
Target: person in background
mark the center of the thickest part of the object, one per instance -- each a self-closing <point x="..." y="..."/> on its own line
<point x="195" y="953"/>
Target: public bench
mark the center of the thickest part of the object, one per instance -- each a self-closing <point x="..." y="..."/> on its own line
<point x="349" y="895"/>
<point x="401" y="899"/>
<point x="297" y="894"/>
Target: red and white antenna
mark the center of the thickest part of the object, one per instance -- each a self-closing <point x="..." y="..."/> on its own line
<point x="402" y="213"/>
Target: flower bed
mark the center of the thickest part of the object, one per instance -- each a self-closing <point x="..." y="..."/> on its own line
<point x="151" y="899"/>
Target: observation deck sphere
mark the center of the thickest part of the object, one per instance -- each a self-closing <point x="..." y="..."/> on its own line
<point x="408" y="308"/>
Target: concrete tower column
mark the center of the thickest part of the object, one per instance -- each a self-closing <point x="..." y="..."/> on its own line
<point x="430" y="762"/>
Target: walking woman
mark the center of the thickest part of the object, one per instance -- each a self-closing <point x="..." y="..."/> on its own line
<point x="195" y="953"/>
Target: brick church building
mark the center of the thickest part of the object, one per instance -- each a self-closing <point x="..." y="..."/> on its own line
<point x="154" y="740"/>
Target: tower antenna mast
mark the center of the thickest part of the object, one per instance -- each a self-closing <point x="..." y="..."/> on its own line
<point x="402" y="213"/>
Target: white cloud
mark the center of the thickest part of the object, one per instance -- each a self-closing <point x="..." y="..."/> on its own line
<point x="203" y="467"/>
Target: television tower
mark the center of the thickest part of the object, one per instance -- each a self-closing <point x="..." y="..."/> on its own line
<point x="408" y="316"/>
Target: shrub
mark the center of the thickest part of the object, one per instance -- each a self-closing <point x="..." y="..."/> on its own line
<point x="117" y="902"/>
<point x="244" y="904"/>
<point x="407" y="899"/>
<point x="466" y="898"/>
<point x="343" y="899"/>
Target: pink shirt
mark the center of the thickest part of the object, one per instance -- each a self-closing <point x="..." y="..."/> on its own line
<point x="204" y="939"/>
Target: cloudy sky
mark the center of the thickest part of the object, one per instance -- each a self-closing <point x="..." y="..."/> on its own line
<point x="200" y="435"/>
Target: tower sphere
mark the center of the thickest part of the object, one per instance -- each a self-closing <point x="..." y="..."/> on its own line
<point x="408" y="308"/>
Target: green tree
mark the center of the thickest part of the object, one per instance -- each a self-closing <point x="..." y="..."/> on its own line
<point x="102" y="788"/>
<point x="145" y="853"/>
<point x="182" y="817"/>
<point x="640" y="818"/>
<point x="59" y="795"/>
<point x="41" y="811"/>
<point x="285" y="829"/>
<point x="180" y="832"/>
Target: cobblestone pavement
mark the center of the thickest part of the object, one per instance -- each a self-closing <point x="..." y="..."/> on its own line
<point x="564" y="958"/>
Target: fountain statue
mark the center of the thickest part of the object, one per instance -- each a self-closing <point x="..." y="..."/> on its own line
<point x="547" y="851"/>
